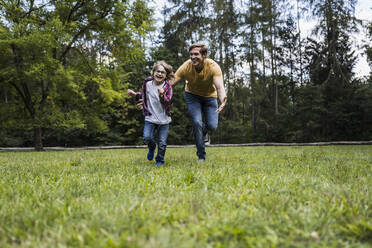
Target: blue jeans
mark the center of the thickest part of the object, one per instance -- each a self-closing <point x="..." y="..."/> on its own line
<point x="151" y="142"/>
<point x="200" y="107"/>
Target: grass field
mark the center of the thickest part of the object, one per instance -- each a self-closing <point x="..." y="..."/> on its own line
<point x="240" y="197"/>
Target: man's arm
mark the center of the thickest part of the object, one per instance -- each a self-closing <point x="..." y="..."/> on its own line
<point x="177" y="77"/>
<point x="175" y="80"/>
<point x="218" y="83"/>
<point x="179" y="74"/>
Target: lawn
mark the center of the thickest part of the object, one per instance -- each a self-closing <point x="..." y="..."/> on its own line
<point x="303" y="196"/>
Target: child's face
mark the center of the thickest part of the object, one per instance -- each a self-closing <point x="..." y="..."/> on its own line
<point x="160" y="74"/>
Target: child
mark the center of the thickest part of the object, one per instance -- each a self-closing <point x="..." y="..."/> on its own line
<point x="156" y="98"/>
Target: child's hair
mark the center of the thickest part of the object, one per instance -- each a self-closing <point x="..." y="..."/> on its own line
<point x="168" y="69"/>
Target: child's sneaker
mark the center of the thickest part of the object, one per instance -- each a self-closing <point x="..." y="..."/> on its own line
<point x="159" y="163"/>
<point x="150" y="154"/>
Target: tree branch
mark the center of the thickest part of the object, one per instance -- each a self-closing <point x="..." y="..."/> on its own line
<point x="102" y="15"/>
<point x="75" y="8"/>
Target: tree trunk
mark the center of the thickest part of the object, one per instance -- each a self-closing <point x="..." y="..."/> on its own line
<point x="253" y="122"/>
<point x="299" y="44"/>
<point x="273" y="57"/>
<point x="252" y="71"/>
<point x="3" y="89"/>
<point x="37" y="139"/>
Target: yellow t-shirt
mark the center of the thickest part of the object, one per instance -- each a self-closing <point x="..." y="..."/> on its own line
<point x="200" y="84"/>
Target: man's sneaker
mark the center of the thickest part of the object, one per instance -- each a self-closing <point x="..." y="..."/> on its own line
<point x="201" y="160"/>
<point x="150" y="154"/>
<point x="207" y="139"/>
<point x="159" y="163"/>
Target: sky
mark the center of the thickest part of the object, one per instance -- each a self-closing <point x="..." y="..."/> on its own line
<point x="363" y="11"/>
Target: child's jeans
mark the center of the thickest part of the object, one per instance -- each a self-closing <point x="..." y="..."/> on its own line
<point x="149" y="140"/>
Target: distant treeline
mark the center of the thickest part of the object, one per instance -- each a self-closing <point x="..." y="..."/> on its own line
<point x="65" y="67"/>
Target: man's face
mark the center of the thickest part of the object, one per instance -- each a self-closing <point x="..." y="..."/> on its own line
<point x="196" y="57"/>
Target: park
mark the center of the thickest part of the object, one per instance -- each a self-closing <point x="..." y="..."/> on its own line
<point x="188" y="123"/>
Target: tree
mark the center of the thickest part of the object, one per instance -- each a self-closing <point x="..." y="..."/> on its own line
<point x="368" y="49"/>
<point x="332" y="60"/>
<point x="58" y="56"/>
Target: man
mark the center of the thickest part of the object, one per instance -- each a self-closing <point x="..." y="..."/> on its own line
<point x="204" y="82"/>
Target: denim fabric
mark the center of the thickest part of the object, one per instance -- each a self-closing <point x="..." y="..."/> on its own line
<point x="148" y="138"/>
<point x="198" y="108"/>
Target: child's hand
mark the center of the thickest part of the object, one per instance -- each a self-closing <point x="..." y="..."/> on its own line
<point x="131" y="92"/>
<point x="161" y="91"/>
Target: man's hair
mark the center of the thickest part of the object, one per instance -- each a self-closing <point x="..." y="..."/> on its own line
<point x="202" y="46"/>
<point x="168" y="68"/>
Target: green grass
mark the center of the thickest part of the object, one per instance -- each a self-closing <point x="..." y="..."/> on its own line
<point x="240" y="197"/>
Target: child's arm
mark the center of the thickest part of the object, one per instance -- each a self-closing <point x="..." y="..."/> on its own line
<point x="131" y="92"/>
<point x="138" y="96"/>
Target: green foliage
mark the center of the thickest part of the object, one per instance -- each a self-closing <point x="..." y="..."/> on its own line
<point x="62" y="69"/>
<point x="240" y="197"/>
<point x="65" y="67"/>
<point x="368" y="49"/>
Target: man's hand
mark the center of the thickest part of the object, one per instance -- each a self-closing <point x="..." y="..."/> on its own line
<point x="223" y="104"/>
<point x="218" y="83"/>
<point x="161" y="92"/>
